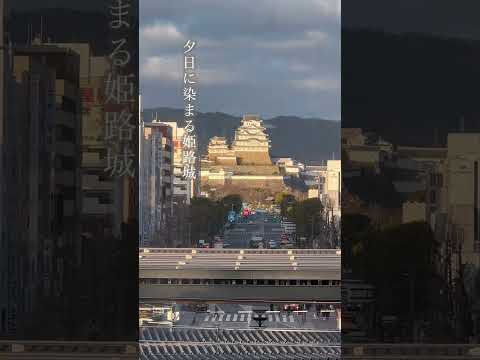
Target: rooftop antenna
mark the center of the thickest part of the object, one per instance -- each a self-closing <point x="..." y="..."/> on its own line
<point x="41" y="29"/>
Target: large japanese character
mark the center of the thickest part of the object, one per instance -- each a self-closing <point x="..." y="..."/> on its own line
<point x="187" y="78"/>
<point x="120" y="165"/>
<point x="111" y="126"/>
<point x="119" y="11"/>
<point x="189" y="141"/>
<point x="189" y="172"/>
<point x="189" y="63"/>
<point x="119" y="89"/>
<point x="189" y="94"/>
<point x="189" y="126"/>
<point x="189" y="45"/>
<point x="189" y="157"/>
<point x="119" y="125"/>
<point x="120" y="57"/>
<point x="189" y="110"/>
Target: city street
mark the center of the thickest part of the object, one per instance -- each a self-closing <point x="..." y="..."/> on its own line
<point x="261" y="225"/>
<point x="240" y="316"/>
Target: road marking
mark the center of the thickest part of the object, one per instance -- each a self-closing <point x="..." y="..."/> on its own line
<point x="232" y="317"/>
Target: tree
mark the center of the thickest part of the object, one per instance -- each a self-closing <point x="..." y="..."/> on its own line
<point x="306" y="215"/>
<point x="207" y="217"/>
<point x="399" y="262"/>
<point x="203" y="211"/>
<point x="354" y="226"/>
<point x="286" y="202"/>
<point x="230" y="202"/>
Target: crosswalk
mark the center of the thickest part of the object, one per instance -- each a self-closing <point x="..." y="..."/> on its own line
<point x="229" y="317"/>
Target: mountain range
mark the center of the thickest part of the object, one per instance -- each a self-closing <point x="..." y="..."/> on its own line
<point x="310" y="140"/>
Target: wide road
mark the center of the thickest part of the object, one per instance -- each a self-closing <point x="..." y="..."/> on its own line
<point x="260" y="224"/>
<point x="241" y="316"/>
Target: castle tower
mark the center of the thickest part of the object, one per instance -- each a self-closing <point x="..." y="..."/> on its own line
<point x="251" y="144"/>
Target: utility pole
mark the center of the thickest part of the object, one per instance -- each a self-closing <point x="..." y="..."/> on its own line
<point x="313" y="229"/>
<point x="411" y="279"/>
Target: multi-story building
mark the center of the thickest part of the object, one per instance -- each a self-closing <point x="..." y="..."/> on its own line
<point x="183" y="189"/>
<point x="329" y="187"/>
<point x="156" y="183"/>
<point x="43" y="167"/>
<point x="101" y="194"/>
<point x="314" y="178"/>
<point x="462" y="184"/>
<point x="353" y="136"/>
<point x="289" y="166"/>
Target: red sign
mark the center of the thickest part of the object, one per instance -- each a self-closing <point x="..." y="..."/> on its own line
<point x="87" y="95"/>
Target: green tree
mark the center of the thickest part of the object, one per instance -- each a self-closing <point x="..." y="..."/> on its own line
<point x="286" y="202"/>
<point x="207" y="217"/>
<point x="307" y="217"/>
<point x="203" y="212"/>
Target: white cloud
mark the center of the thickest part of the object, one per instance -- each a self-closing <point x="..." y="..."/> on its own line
<point x="161" y="33"/>
<point x="216" y="77"/>
<point x="310" y="40"/>
<point x="316" y="84"/>
<point x="159" y="36"/>
<point x="170" y="69"/>
<point x="289" y="47"/>
<point x="162" y="68"/>
<point x="299" y="67"/>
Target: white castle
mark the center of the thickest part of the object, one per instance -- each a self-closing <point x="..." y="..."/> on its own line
<point x="250" y="146"/>
<point x="246" y="164"/>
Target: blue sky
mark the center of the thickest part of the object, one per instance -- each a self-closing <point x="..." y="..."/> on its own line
<point x="271" y="57"/>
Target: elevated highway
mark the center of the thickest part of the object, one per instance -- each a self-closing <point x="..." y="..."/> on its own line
<point x="243" y="275"/>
